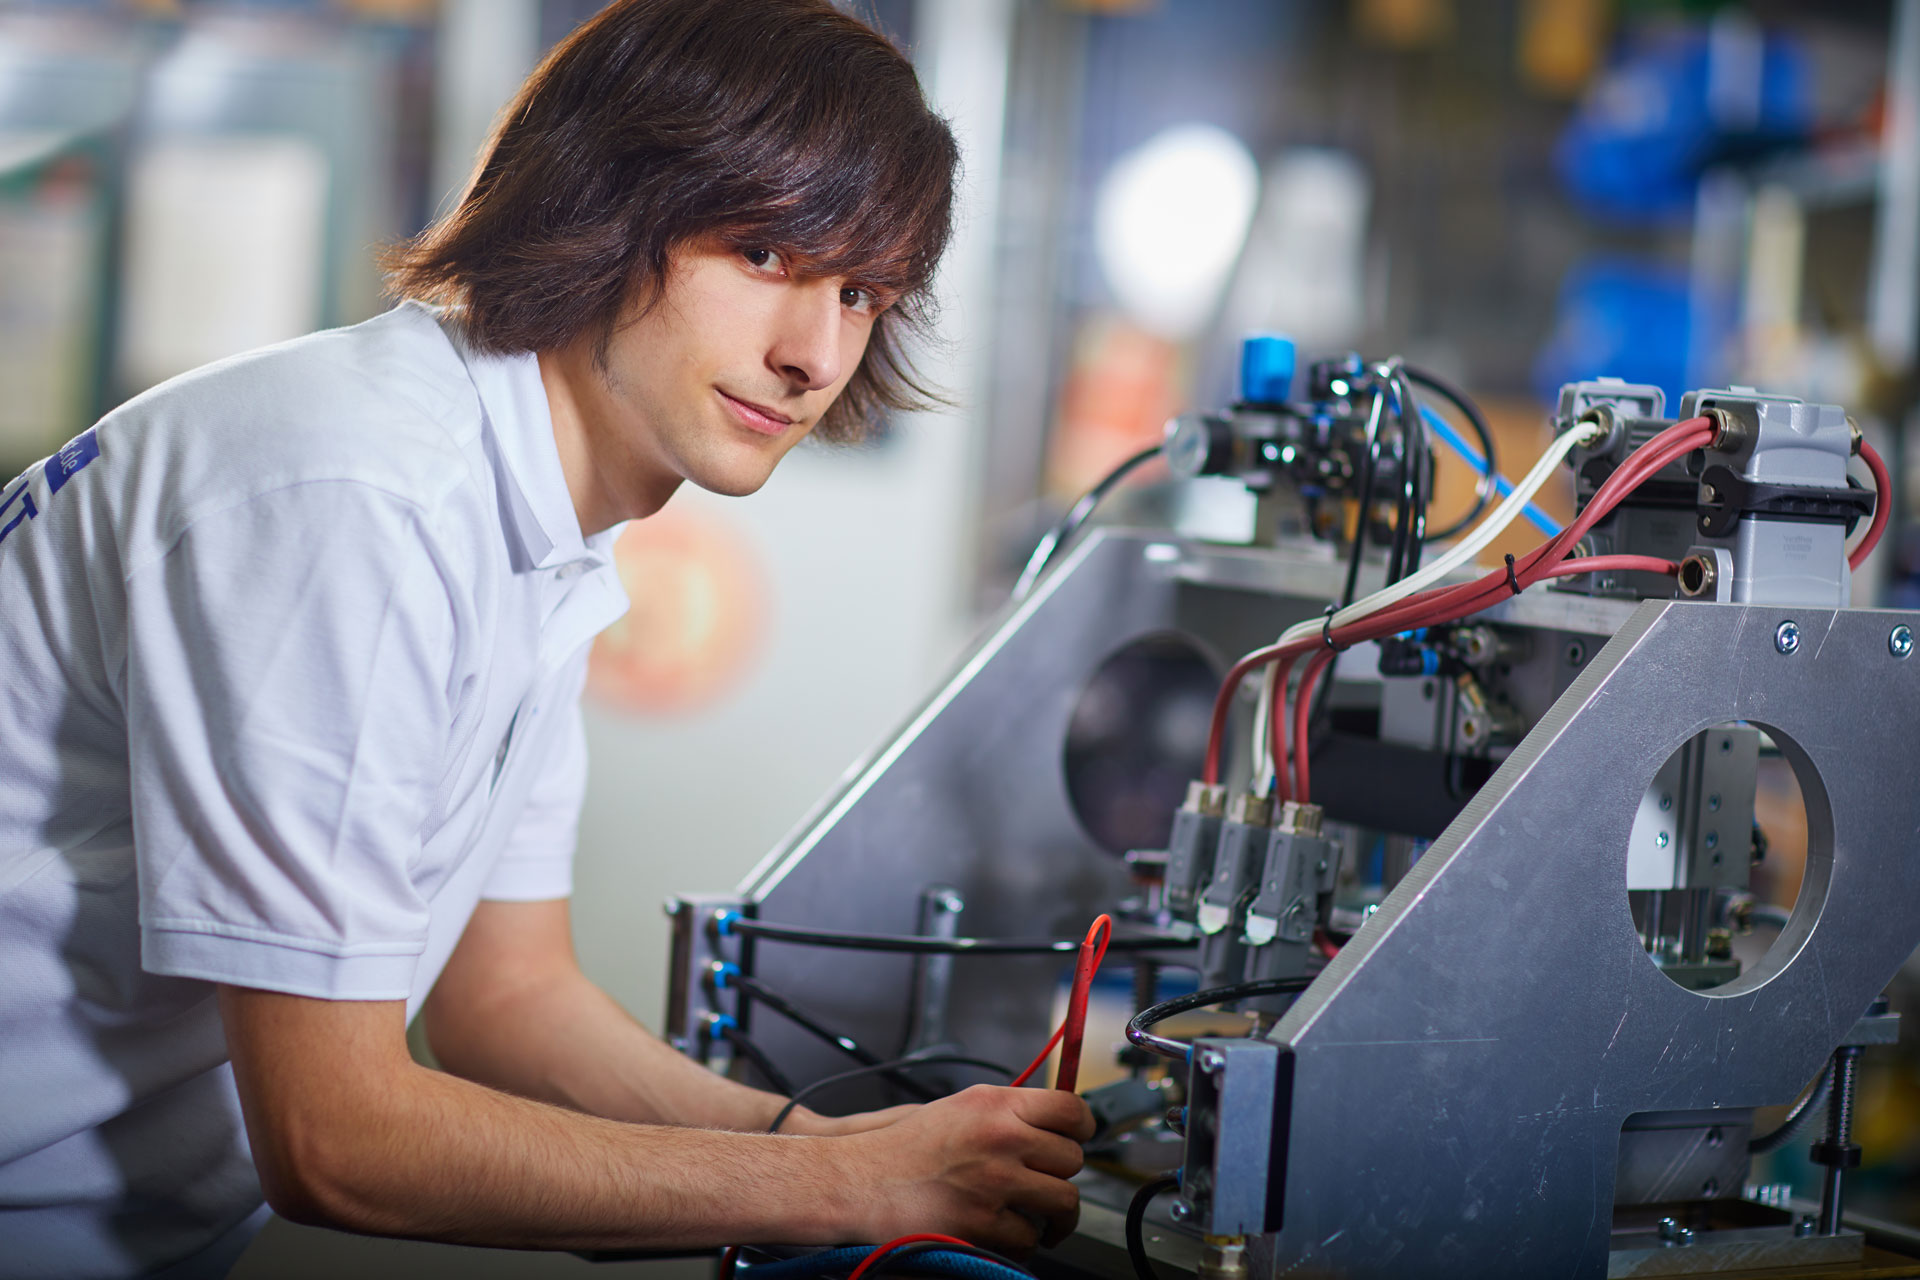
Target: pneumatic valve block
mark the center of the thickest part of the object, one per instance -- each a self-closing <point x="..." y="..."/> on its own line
<point x="1760" y="516"/>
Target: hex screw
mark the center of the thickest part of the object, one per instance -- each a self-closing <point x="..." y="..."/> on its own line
<point x="1661" y="839"/>
<point x="1666" y="803"/>
<point x="1672" y="1233"/>
<point x="1713" y="804"/>
<point x="1713" y="839"/>
<point x="1900" y="642"/>
<point x="1179" y="1211"/>
<point x="1786" y="636"/>
<point x="1211" y="1060"/>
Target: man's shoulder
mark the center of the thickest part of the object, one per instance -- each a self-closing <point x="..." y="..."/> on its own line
<point x="386" y="403"/>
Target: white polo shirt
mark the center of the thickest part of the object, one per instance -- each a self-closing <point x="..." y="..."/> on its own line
<point x="292" y="649"/>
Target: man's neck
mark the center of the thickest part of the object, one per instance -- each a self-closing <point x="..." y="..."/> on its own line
<point x="579" y="403"/>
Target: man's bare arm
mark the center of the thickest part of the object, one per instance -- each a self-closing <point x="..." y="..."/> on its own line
<point x="348" y="1131"/>
<point x="512" y="1010"/>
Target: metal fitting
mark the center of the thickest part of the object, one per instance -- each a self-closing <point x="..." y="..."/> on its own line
<point x="1206" y="799"/>
<point x="1180" y="1211"/>
<point x="1698" y="576"/>
<point x="1855" y="439"/>
<point x="1673" y="1235"/>
<point x="1303" y="819"/>
<point x="1728" y="433"/>
<point x="1900" y="641"/>
<point x="1786" y="637"/>
<point x="1222" y="1258"/>
<point x="1210" y="1060"/>
<point x="1251" y="809"/>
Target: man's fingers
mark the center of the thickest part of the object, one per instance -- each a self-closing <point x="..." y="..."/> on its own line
<point x="1055" y="1155"/>
<point x="1013" y="1234"/>
<point x="1055" y="1109"/>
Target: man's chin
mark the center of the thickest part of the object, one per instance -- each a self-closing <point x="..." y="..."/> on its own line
<point x="732" y="483"/>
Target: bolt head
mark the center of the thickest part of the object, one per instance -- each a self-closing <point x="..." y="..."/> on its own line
<point x="1666" y="803"/>
<point x="1211" y="1060"/>
<point x="1713" y="839"/>
<point x="1713" y="804"/>
<point x="1180" y="1211"/>
<point x="1786" y="636"/>
<point x="1900" y="642"/>
<point x="1661" y="839"/>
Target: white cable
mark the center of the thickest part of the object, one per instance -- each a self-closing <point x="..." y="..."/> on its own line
<point x="1464" y="551"/>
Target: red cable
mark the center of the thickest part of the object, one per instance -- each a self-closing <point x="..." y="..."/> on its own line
<point x="1674" y="442"/>
<point x="1302" y="709"/>
<point x="1882" y="503"/>
<point x="1070" y="1033"/>
<point x="891" y="1245"/>
<point x="1277" y="744"/>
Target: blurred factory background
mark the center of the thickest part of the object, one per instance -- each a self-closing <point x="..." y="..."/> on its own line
<point x="1515" y="193"/>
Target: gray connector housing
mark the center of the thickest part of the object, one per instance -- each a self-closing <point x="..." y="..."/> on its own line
<point x="1776" y="559"/>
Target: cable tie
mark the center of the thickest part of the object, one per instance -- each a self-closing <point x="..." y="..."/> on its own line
<point x="1326" y="630"/>
<point x="1512" y="581"/>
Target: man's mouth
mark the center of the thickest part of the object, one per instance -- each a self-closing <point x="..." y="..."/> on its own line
<point x="756" y="417"/>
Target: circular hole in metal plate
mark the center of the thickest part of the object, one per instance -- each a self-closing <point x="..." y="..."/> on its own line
<point x="1717" y="857"/>
<point x="1137" y="736"/>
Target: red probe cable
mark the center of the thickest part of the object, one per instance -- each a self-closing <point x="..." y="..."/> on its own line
<point x="1070" y="1033"/>
<point x="932" y="1237"/>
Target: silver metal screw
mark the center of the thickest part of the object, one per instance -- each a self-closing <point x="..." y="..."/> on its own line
<point x="1713" y="804"/>
<point x="1179" y="1211"/>
<point x="1666" y="803"/>
<point x="1900" y="643"/>
<point x="1804" y="1227"/>
<point x="1672" y="1233"/>
<point x="1713" y="838"/>
<point x="1661" y="839"/>
<point x="1786" y="636"/>
<point x="1211" y="1060"/>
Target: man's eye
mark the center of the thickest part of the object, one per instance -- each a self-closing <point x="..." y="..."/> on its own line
<point x="856" y="298"/>
<point x="765" y="259"/>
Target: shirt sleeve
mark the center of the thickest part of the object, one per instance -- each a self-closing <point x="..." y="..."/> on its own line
<point x="536" y="863"/>
<point x="288" y="697"/>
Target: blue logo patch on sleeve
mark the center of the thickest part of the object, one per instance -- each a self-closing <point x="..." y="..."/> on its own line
<point x="74" y="454"/>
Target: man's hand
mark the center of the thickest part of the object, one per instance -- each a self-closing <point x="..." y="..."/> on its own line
<point x="989" y="1165"/>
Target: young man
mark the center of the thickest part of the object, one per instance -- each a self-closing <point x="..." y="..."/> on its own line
<point x="290" y="744"/>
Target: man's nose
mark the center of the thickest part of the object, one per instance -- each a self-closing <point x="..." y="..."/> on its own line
<point x="806" y="339"/>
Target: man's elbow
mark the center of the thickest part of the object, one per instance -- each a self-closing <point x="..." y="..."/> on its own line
<point x="312" y="1174"/>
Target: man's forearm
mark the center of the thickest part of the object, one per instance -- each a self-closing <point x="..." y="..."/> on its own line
<point x="396" y="1149"/>
<point x="535" y="1175"/>
<point x="567" y="1042"/>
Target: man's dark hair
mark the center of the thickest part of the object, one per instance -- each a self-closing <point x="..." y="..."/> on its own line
<point x="780" y="124"/>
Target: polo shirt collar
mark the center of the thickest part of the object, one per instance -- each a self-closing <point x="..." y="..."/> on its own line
<point x="539" y="504"/>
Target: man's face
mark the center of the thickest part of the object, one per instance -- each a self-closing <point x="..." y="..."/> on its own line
<point x="732" y="366"/>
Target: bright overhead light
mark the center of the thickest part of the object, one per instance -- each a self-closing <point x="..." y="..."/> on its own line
<point x="1169" y="221"/>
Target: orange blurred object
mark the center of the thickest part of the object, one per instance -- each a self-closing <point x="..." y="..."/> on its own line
<point x="1520" y="433"/>
<point x="699" y="612"/>
<point x="1124" y="385"/>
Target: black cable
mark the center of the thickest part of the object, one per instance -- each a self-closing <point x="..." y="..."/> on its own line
<point x="1137" y="1222"/>
<point x="1484" y="489"/>
<point x="907" y="1252"/>
<point x="749" y="986"/>
<point x="746" y="1048"/>
<point x="1797" y="1117"/>
<point x="1077" y="515"/>
<point x="1416" y="481"/>
<point x="898" y="1064"/>
<point x="914" y="943"/>
<point x="1368" y="466"/>
<point x="1137" y="1025"/>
